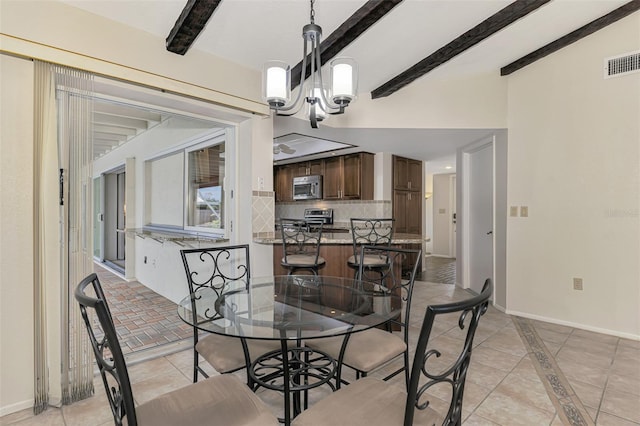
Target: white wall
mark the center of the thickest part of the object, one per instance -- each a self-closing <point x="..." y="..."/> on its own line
<point x="574" y="160"/>
<point x="16" y="231"/>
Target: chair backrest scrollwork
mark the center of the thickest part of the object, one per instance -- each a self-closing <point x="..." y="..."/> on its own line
<point x="432" y="367"/>
<point x="107" y="351"/>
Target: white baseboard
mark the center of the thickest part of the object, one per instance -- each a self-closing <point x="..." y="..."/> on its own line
<point x="14" y="408"/>
<point x="575" y="325"/>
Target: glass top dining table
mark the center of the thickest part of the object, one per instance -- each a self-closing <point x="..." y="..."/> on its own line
<point x="294" y="307"/>
<point x="290" y="309"/>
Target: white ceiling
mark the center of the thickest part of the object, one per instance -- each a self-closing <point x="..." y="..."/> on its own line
<point x="250" y="32"/>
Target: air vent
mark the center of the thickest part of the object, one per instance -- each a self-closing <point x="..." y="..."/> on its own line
<point x="620" y="65"/>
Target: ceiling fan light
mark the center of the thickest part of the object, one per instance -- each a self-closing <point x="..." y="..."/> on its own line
<point x="344" y="80"/>
<point x="276" y="83"/>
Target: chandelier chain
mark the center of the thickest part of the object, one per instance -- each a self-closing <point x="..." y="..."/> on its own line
<point x="312" y="13"/>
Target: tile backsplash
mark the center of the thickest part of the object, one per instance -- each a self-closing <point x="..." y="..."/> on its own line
<point x="343" y="211"/>
<point x="262" y="212"/>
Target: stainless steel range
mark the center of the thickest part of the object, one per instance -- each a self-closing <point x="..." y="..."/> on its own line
<point x="319" y="215"/>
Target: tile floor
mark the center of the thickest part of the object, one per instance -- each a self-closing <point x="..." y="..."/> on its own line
<point x="598" y="375"/>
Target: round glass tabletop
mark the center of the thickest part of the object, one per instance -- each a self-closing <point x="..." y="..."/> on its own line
<point x="290" y="307"/>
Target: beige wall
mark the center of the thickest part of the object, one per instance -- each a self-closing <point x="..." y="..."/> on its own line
<point x="574" y="159"/>
<point x="16" y="236"/>
<point x="478" y="101"/>
<point x="78" y="39"/>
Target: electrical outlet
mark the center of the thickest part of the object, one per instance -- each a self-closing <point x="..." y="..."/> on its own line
<point x="513" y="211"/>
<point x="524" y="211"/>
<point x="577" y="283"/>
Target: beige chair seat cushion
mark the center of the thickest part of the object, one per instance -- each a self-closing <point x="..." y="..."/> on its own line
<point x="218" y="401"/>
<point x="366" y="350"/>
<point x="369" y="260"/>
<point x="302" y="260"/>
<point x="225" y="354"/>
<point x="366" y="402"/>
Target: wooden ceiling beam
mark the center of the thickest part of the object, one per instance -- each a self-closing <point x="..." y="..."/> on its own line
<point x="370" y="13"/>
<point x="190" y="23"/>
<point x="572" y="37"/>
<point x="475" y="35"/>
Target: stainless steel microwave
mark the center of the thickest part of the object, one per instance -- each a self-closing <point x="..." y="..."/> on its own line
<point x="307" y="187"/>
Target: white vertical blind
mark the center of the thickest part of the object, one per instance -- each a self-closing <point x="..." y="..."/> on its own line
<point x="75" y="110"/>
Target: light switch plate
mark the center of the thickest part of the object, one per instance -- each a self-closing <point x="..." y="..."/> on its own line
<point x="524" y="211"/>
<point x="577" y="283"/>
<point x="513" y="211"/>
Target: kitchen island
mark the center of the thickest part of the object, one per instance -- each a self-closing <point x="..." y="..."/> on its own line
<point x="335" y="248"/>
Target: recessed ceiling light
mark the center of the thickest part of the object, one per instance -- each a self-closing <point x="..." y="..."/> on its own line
<point x="448" y="167"/>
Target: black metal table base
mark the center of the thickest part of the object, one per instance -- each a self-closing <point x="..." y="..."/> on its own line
<point x="301" y="370"/>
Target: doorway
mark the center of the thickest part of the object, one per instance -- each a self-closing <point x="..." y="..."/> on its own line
<point x="115" y="211"/>
<point x="478" y="222"/>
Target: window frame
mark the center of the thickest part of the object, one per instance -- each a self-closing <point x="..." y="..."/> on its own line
<point x="213" y="140"/>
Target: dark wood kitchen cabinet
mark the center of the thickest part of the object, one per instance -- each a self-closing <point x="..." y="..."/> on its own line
<point x="407" y="195"/>
<point x="348" y="177"/>
<point x="407" y="174"/>
<point x="308" y="168"/>
<point x="283" y="182"/>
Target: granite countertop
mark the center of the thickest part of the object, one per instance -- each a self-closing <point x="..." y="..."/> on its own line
<point x="339" y="238"/>
<point x="179" y="238"/>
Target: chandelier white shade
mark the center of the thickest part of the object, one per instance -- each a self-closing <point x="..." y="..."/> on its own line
<point x="343" y="83"/>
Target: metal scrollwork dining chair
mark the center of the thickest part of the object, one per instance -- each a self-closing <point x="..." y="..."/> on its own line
<point x="218" y="401"/>
<point x="372" y="402"/>
<point x="368" y="350"/>
<point x="220" y="269"/>
<point x="301" y="246"/>
<point x="371" y="232"/>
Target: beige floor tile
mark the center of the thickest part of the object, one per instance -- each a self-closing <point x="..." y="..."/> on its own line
<point x="621" y="404"/>
<point x="475" y="420"/>
<point x="146" y="370"/>
<point x="589" y="395"/>
<point x="507" y="340"/>
<point x="584" y="357"/>
<point x="595" y="337"/>
<point x="50" y="417"/>
<point x="626" y="383"/>
<point x="485" y="375"/>
<point x="527" y="391"/>
<point x="486" y="355"/>
<point x="90" y="411"/>
<point x="506" y="410"/>
<point x="552" y="336"/>
<point x="605" y="419"/>
<point x="583" y="373"/>
<point x="627" y="343"/>
<point x="563" y="329"/>
<point x="557" y="421"/>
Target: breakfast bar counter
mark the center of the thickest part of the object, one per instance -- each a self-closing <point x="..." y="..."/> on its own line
<point x="335" y="248"/>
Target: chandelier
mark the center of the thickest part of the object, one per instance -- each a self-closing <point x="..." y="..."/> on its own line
<point x="321" y="99"/>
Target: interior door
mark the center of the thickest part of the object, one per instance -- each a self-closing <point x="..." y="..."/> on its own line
<point x="480" y="216"/>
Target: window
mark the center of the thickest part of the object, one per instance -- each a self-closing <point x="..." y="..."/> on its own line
<point x="185" y="188"/>
<point x="205" y="188"/>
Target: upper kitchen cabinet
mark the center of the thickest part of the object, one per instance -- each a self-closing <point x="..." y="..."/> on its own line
<point x="407" y="174"/>
<point x="308" y="168"/>
<point x="283" y="182"/>
<point x="348" y="177"/>
<point x="407" y="195"/>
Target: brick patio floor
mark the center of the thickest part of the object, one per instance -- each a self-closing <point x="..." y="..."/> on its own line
<point x="143" y="318"/>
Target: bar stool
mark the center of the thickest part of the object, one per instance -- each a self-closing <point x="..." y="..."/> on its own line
<point x="301" y="246"/>
<point x="370" y="232"/>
